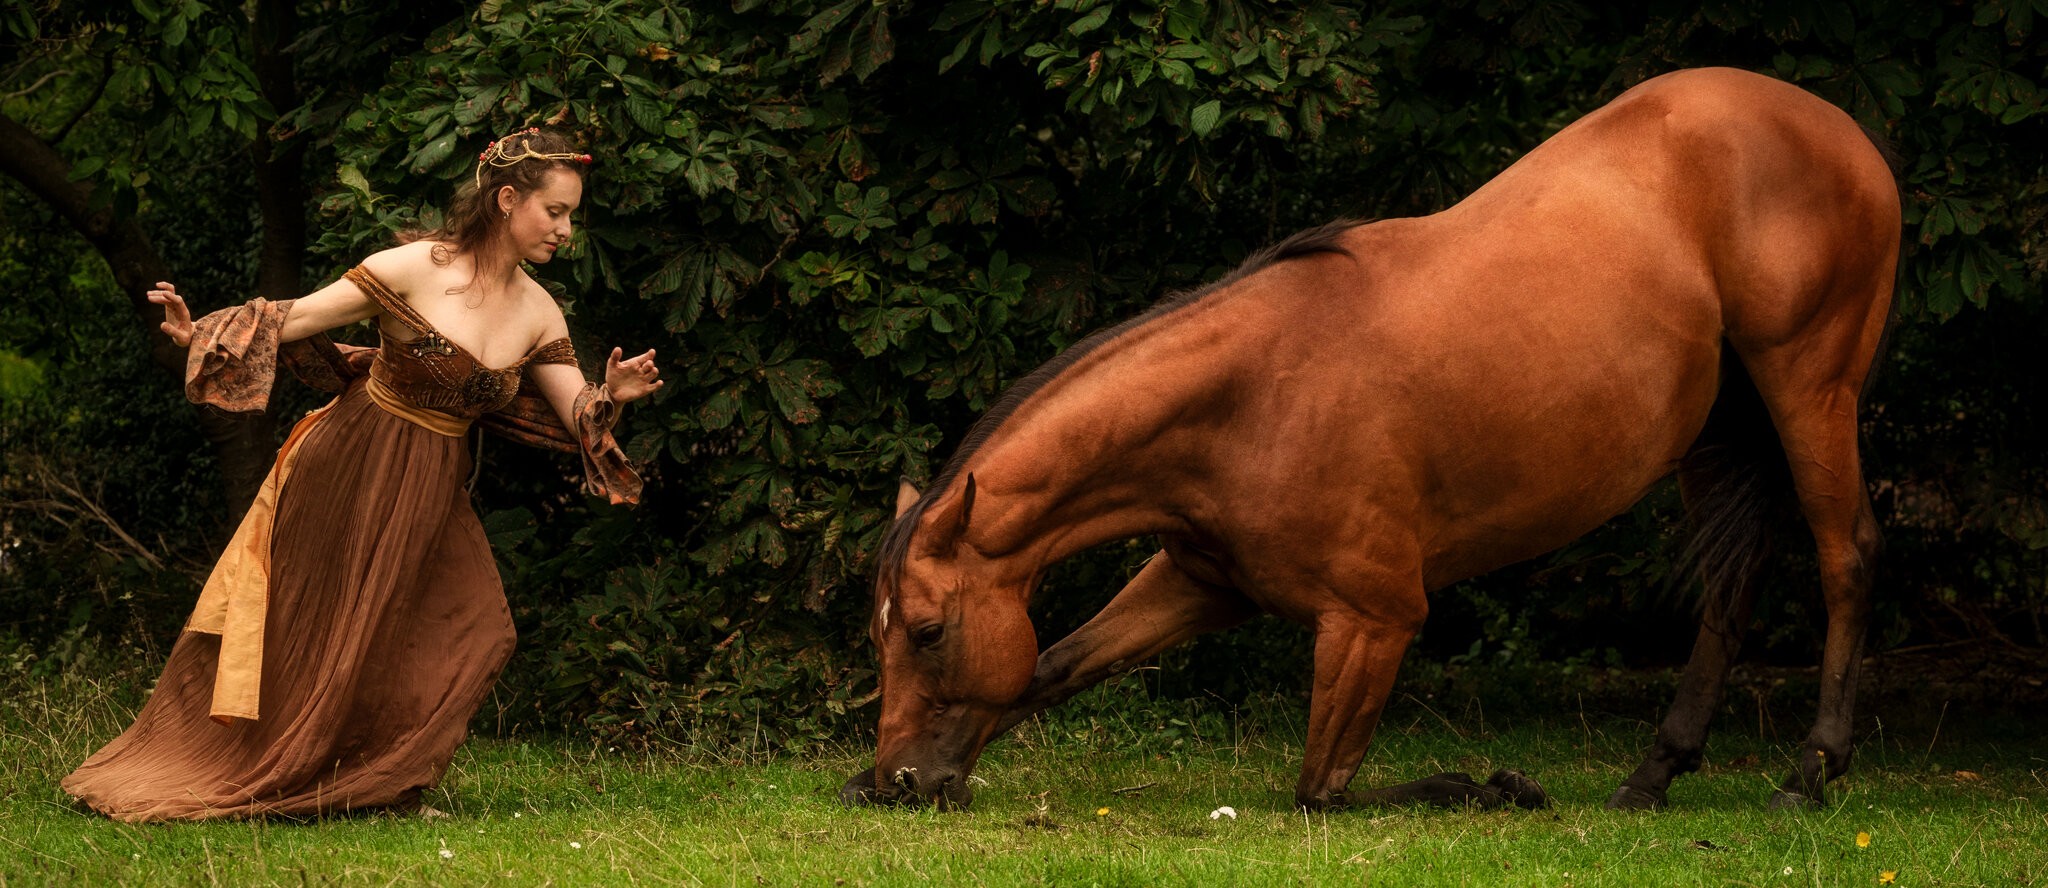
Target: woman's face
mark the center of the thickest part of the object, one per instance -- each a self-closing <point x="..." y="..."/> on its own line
<point x="538" y="221"/>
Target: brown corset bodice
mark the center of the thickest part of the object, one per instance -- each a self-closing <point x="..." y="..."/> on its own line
<point x="431" y="372"/>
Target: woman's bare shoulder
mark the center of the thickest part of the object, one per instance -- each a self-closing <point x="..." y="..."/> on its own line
<point x="403" y="266"/>
<point x="540" y="305"/>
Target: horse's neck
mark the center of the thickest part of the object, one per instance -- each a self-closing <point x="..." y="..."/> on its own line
<point x="1107" y="449"/>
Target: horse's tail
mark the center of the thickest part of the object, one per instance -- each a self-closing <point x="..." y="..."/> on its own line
<point x="1738" y="490"/>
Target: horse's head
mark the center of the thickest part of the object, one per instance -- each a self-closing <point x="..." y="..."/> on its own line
<point x="957" y="648"/>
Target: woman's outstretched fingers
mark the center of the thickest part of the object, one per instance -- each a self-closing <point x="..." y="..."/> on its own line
<point x="177" y="318"/>
<point x="631" y="378"/>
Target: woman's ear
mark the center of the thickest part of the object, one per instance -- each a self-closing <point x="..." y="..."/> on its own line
<point x="508" y="197"/>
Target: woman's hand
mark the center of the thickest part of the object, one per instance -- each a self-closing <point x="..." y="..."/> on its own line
<point x="177" y="318"/>
<point x="631" y="379"/>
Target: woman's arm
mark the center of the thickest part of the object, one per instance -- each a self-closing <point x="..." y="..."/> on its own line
<point x="628" y="380"/>
<point x="337" y="304"/>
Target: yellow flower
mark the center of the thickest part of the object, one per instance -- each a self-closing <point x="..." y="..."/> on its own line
<point x="1863" y="840"/>
<point x="1887" y="877"/>
<point x="1102" y="812"/>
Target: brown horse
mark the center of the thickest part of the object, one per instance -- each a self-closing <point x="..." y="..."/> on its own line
<point x="1693" y="279"/>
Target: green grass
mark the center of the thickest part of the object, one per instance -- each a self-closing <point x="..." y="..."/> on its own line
<point x="556" y="811"/>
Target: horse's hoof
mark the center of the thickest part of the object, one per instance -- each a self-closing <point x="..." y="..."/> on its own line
<point x="1517" y="788"/>
<point x="1329" y="801"/>
<point x="1787" y="800"/>
<point x="1629" y="798"/>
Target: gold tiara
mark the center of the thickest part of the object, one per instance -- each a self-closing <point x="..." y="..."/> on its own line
<point x="495" y="155"/>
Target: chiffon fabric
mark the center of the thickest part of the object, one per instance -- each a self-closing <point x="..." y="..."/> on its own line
<point x="357" y="620"/>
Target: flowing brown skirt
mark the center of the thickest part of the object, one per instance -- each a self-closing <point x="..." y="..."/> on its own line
<point x="387" y="625"/>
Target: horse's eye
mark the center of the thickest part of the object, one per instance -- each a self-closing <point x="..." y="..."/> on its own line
<point x="926" y="636"/>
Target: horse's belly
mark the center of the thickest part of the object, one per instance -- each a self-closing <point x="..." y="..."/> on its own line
<point x="1527" y="479"/>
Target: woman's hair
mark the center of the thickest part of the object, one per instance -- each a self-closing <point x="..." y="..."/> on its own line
<point x="521" y="160"/>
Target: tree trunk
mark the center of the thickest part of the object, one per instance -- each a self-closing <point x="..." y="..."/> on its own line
<point x="243" y="445"/>
<point x="281" y="192"/>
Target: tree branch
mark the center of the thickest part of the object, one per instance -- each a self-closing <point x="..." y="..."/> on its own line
<point x="84" y="505"/>
<point x="46" y="78"/>
<point x="106" y="77"/>
<point x="241" y="443"/>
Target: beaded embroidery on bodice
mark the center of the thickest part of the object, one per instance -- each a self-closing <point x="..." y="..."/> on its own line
<point x="433" y="373"/>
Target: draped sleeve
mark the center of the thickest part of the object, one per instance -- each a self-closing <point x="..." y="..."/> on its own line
<point x="530" y="420"/>
<point x="232" y="361"/>
<point x="325" y="365"/>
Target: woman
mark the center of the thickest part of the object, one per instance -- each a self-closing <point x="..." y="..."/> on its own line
<point x="357" y="620"/>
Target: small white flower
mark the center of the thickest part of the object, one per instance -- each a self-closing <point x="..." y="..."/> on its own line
<point x="136" y="856"/>
<point x="447" y="854"/>
<point x="576" y="845"/>
<point x="517" y="814"/>
<point x="1788" y="871"/>
<point x="771" y="786"/>
<point x="1225" y="811"/>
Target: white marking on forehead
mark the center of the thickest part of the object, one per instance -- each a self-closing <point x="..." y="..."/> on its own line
<point x="885" y="612"/>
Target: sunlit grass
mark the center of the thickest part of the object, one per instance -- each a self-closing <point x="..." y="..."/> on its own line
<point x="552" y="810"/>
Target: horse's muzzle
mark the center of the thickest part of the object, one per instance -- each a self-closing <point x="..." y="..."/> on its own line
<point x="909" y="786"/>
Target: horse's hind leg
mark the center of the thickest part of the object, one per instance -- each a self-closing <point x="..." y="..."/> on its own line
<point x="1817" y="425"/>
<point x="1837" y="507"/>
<point x="1682" y="737"/>
<point x="1730" y="481"/>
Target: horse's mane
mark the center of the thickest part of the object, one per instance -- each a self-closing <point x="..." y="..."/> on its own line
<point x="896" y="543"/>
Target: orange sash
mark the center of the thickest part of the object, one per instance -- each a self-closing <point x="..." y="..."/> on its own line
<point x="237" y="593"/>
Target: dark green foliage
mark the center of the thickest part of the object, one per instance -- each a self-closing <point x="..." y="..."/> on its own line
<point x="847" y="225"/>
<point x="95" y="439"/>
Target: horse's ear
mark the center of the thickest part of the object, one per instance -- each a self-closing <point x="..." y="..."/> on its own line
<point x="949" y="518"/>
<point x="906" y="496"/>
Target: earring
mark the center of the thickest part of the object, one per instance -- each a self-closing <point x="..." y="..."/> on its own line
<point x="507" y="213"/>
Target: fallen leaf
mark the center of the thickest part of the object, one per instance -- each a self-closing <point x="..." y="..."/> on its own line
<point x="1968" y="775"/>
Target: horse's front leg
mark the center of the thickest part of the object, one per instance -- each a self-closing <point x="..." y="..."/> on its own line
<point x="1358" y="652"/>
<point x="1359" y="645"/>
<point x="1162" y="606"/>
